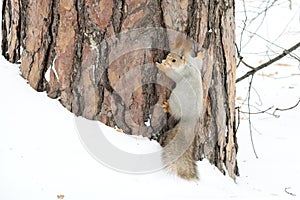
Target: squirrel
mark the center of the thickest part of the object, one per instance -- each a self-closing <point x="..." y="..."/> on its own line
<point x="185" y="105"/>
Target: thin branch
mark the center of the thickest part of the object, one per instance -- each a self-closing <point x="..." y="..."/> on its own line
<point x="249" y="116"/>
<point x="285" y="109"/>
<point x="262" y="12"/>
<point x="238" y="55"/>
<point x="238" y="119"/>
<point x="284" y="53"/>
<point x="295" y="57"/>
<point x="268" y="109"/>
<point x="244" y="23"/>
<point x="259" y="112"/>
<point x="247" y="65"/>
<point x="263" y="38"/>
<point x="241" y="58"/>
<point x="287" y="188"/>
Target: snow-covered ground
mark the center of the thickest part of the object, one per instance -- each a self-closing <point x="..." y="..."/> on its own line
<point x="42" y="154"/>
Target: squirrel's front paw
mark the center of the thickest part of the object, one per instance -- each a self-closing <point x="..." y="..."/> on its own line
<point x="166" y="107"/>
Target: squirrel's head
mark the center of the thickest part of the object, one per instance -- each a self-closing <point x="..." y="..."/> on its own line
<point x="173" y="66"/>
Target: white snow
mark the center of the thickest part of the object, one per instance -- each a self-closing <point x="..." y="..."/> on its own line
<point x="148" y="122"/>
<point x="42" y="155"/>
<point x="47" y="74"/>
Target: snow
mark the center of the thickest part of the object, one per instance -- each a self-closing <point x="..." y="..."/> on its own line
<point x="47" y="74"/>
<point x="43" y="155"/>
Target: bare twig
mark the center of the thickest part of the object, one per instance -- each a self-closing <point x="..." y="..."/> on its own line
<point x="244" y="23"/>
<point x="238" y="55"/>
<point x="259" y="112"/>
<point x="287" y="188"/>
<point x="285" y="109"/>
<point x="241" y="58"/>
<point x="295" y="57"/>
<point x="284" y="53"/>
<point x="247" y="65"/>
<point x="262" y="12"/>
<point x="238" y="119"/>
<point x="290" y="4"/>
<point x="263" y="38"/>
<point x="268" y="109"/>
<point x="249" y="116"/>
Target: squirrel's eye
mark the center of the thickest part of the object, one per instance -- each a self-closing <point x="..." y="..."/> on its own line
<point x="174" y="60"/>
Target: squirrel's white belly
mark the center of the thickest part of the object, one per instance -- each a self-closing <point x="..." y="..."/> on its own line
<point x="185" y="102"/>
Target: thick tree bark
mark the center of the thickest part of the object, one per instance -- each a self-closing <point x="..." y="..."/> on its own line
<point x="74" y="41"/>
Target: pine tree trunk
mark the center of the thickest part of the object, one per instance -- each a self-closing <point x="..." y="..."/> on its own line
<point x="74" y="43"/>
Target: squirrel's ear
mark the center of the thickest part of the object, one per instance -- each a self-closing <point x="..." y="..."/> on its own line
<point x="178" y="42"/>
<point x="183" y="55"/>
<point x="182" y="43"/>
<point x="183" y="59"/>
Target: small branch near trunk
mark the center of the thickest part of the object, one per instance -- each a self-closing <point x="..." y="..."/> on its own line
<point x="240" y="57"/>
<point x="249" y="117"/>
<point x="266" y="64"/>
<point x="259" y="112"/>
<point x="238" y="119"/>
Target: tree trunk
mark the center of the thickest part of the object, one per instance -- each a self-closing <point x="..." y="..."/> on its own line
<point x="98" y="58"/>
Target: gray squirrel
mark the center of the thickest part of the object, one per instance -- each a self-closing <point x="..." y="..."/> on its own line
<point x="185" y="105"/>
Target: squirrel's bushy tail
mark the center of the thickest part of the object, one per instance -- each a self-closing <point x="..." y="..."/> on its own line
<point x="178" y="151"/>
